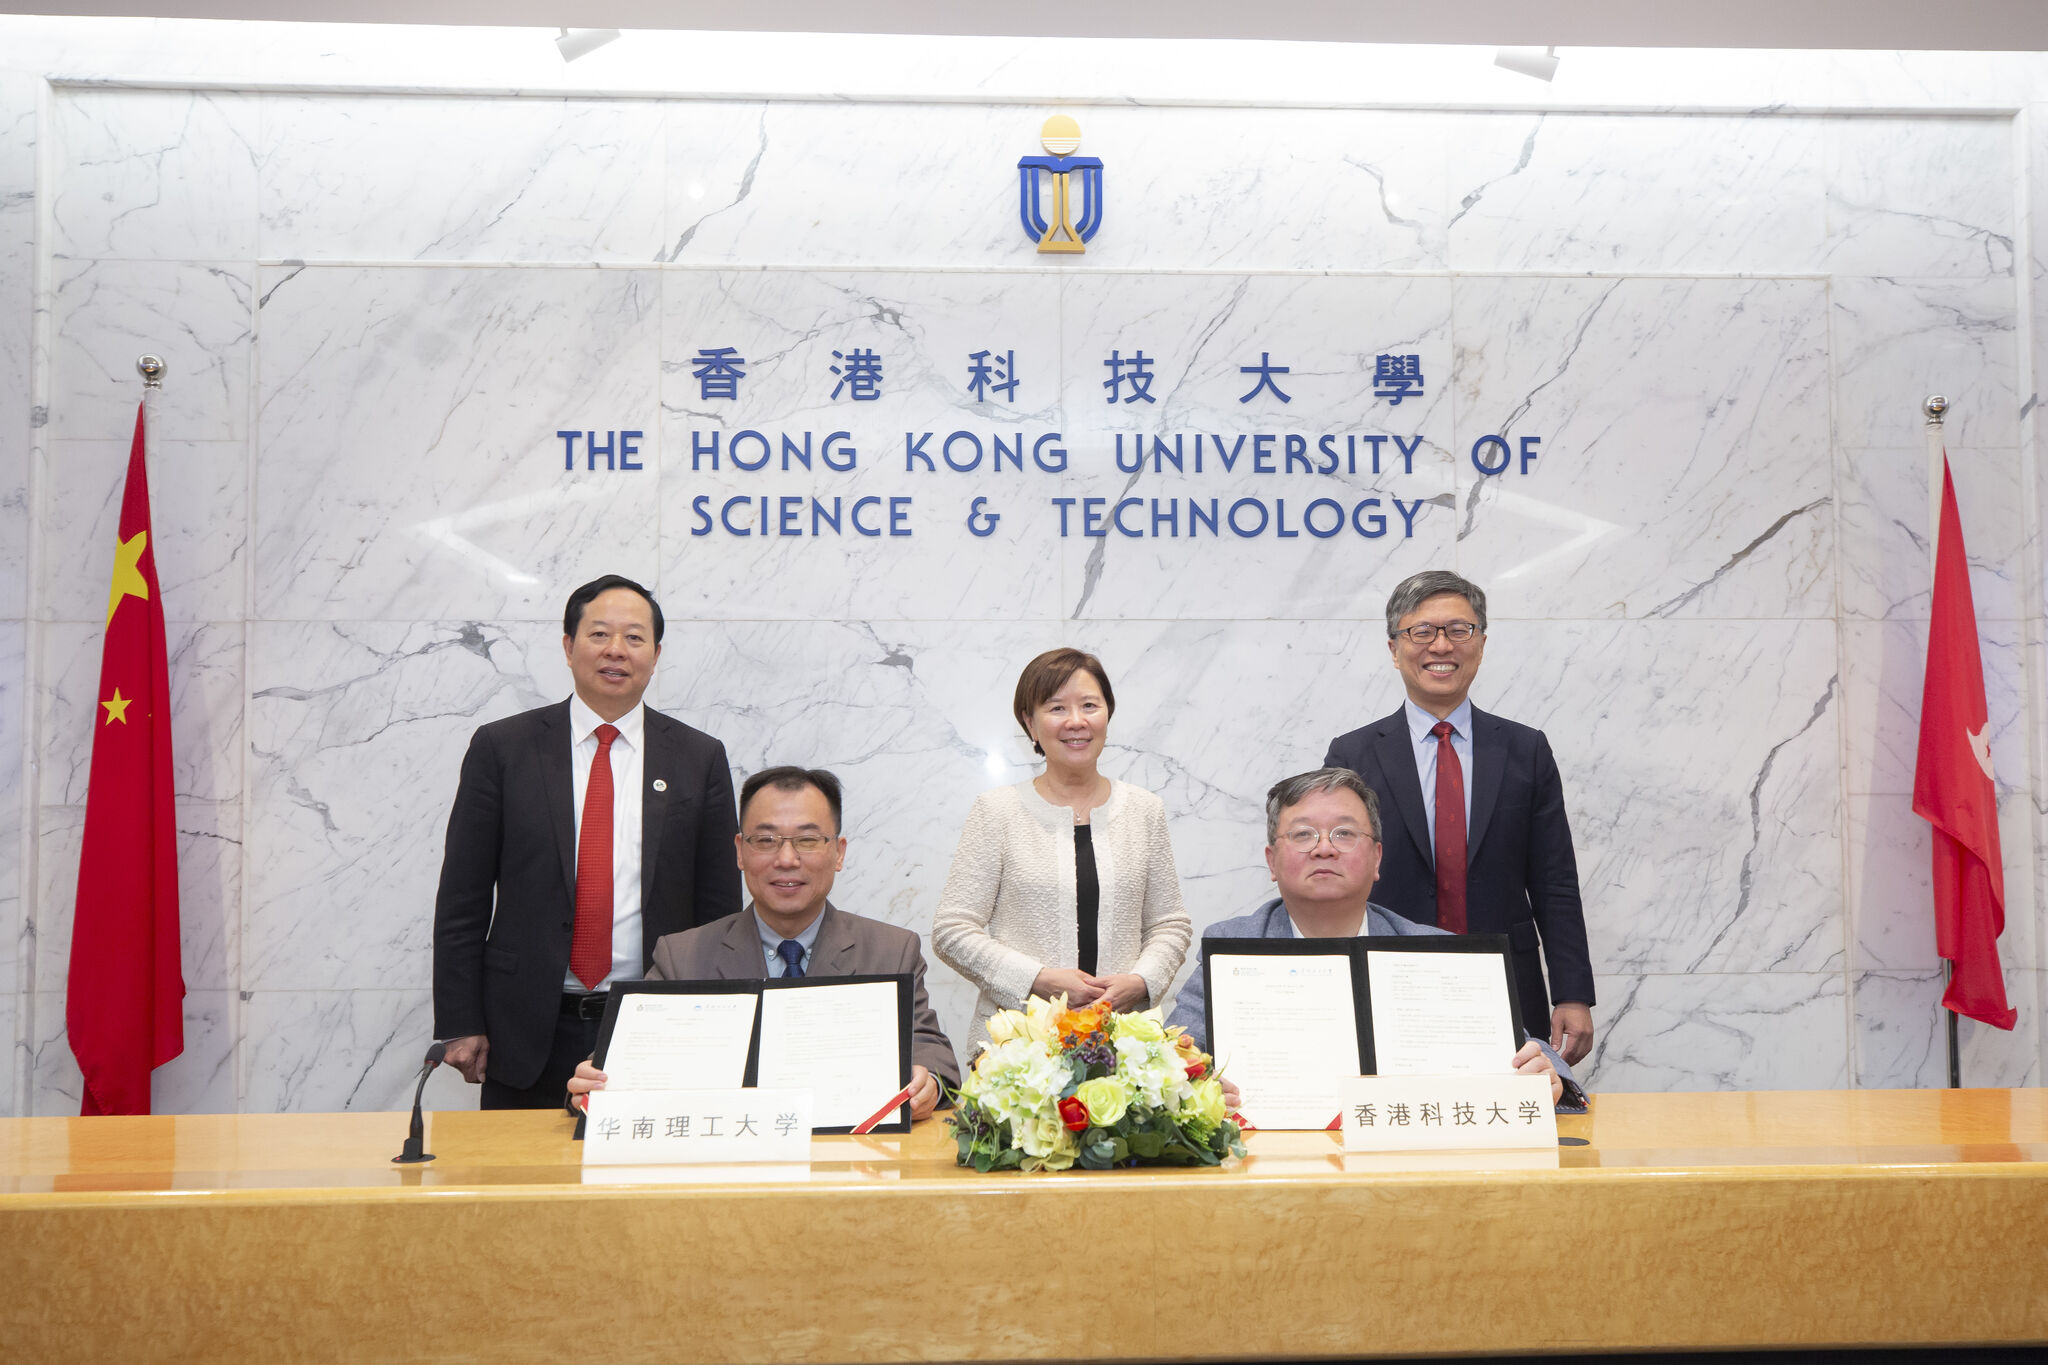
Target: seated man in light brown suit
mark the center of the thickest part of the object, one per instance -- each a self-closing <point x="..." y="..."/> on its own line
<point x="790" y="848"/>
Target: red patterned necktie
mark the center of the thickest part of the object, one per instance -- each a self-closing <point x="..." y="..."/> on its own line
<point x="590" y="950"/>
<point x="1450" y="832"/>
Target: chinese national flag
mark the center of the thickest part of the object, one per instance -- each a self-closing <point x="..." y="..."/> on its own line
<point x="125" y="1009"/>
<point x="1952" y="786"/>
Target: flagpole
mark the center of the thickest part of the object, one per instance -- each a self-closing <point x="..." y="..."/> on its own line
<point x="1936" y="408"/>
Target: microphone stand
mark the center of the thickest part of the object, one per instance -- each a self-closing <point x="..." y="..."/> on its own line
<point x="416" y="1142"/>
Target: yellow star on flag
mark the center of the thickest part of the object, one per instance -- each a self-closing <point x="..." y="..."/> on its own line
<point x="117" y="709"/>
<point x="128" y="579"/>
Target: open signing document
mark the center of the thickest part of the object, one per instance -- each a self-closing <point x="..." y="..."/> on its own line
<point x="1440" y="1013"/>
<point x="843" y="1042"/>
<point x="1285" y="1028"/>
<point x="665" y="1041"/>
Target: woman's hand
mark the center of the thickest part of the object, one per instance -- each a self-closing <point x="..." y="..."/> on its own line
<point x="1126" y="991"/>
<point x="1080" y="988"/>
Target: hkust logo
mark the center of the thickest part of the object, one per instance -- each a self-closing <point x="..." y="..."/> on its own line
<point x="1061" y="138"/>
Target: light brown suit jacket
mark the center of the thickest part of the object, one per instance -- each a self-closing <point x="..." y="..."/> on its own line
<point x="847" y="945"/>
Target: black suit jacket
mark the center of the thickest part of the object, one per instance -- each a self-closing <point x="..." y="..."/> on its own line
<point x="1521" y="877"/>
<point x="506" y="908"/>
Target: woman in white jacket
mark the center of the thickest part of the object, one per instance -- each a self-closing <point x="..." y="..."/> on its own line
<point x="1065" y="883"/>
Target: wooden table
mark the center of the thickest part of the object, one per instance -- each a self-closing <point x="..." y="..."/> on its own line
<point x="1691" y="1221"/>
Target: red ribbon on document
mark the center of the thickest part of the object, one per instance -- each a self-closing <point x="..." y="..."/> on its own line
<point x="867" y="1125"/>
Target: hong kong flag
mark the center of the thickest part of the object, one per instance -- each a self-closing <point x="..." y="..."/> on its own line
<point x="1952" y="786"/>
<point x="125" y="1006"/>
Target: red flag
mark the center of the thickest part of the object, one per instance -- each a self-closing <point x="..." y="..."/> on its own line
<point x="1952" y="786"/>
<point x="126" y="1005"/>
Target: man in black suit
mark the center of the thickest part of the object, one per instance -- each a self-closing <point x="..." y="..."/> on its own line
<point x="546" y="895"/>
<point x="1441" y="767"/>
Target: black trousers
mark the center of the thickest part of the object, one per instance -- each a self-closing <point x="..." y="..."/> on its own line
<point x="575" y="1039"/>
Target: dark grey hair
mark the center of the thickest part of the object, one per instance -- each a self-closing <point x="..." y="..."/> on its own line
<point x="1412" y="591"/>
<point x="1292" y="791"/>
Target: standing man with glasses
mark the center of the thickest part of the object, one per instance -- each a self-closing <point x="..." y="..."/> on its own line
<point x="1473" y="809"/>
<point x="581" y="833"/>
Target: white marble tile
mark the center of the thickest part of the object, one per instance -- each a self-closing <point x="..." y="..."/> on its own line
<point x="13" y="895"/>
<point x="329" y="1051"/>
<point x="1925" y="196"/>
<point x="1199" y="333"/>
<point x="1618" y="192"/>
<point x="1891" y="890"/>
<point x="162" y="175"/>
<point x="1893" y="341"/>
<point x="206" y="673"/>
<point x="55" y="1085"/>
<point x="1886" y="568"/>
<point x="2002" y="1058"/>
<point x="18" y="140"/>
<point x="17" y="1053"/>
<point x="1884" y="672"/>
<point x="1265" y="189"/>
<point x="407" y="464"/>
<point x="1701" y="774"/>
<point x="209" y="892"/>
<point x="828" y="184"/>
<point x="1745" y="1031"/>
<point x="1683" y="470"/>
<point x="357" y="732"/>
<point x="1900" y="1042"/>
<point x="343" y="178"/>
<point x="924" y="328"/>
<point x="195" y="315"/>
<point x="201" y="1079"/>
<point x="198" y="496"/>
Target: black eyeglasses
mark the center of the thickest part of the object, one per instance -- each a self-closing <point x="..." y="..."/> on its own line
<point x="1457" y="632"/>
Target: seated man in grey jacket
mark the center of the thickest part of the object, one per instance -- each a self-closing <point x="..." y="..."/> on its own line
<point x="790" y="849"/>
<point x="1323" y="849"/>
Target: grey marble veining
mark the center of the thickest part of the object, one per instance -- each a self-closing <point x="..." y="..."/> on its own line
<point x="1709" y="588"/>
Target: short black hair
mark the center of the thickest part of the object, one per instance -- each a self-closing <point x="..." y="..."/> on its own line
<point x="572" y="615"/>
<point x="789" y="778"/>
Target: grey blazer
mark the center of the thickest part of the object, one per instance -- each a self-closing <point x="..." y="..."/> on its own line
<point x="847" y="945"/>
<point x="1270" y="921"/>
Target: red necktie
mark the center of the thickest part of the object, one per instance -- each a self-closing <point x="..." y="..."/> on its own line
<point x="590" y="950"/>
<point x="1450" y="832"/>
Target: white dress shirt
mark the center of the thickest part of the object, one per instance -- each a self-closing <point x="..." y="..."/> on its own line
<point x="628" y="761"/>
<point x="1420" y="723"/>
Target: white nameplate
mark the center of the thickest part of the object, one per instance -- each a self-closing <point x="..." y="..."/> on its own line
<point x="673" y="1127"/>
<point x="1447" y="1113"/>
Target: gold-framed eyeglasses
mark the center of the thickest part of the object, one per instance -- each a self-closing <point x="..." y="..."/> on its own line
<point x="768" y="845"/>
<point x="1457" y="632"/>
<point x="1343" y="838"/>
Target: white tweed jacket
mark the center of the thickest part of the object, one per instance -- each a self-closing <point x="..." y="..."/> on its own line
<point x="1010" y="904"/>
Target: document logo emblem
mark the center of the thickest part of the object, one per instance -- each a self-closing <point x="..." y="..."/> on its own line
<point x="1065" y="233"/>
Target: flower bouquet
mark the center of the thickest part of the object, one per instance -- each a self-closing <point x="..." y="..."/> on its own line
<point x="1057" y="1088"/>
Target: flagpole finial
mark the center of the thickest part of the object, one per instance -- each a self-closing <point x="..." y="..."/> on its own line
<point x="1935" y="407"/>
<point x="151" y="368"/>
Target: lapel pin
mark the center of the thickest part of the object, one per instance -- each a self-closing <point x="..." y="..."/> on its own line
<point x="660" y="785"/>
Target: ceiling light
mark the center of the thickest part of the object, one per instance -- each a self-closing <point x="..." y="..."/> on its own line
<point x="1527" y="61"/>
<point x="581" y="42"/>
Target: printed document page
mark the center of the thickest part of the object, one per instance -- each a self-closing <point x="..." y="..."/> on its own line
<point x="1286" y="1030"/>
<point x="680" y="1042"/>
<point x="844" y="1044"/>
<point x="1440" y="1014"/>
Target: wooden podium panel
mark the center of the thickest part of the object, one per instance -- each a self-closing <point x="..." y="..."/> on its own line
<point x="1690" y="1221"/>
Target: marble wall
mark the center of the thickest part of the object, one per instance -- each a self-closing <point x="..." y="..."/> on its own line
<point x="379" y="303"/>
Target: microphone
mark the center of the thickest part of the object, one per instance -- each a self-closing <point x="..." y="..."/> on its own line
<point x="415" y="1143"/>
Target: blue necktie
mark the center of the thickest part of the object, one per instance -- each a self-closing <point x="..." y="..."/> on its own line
<point x="792" y="954"/>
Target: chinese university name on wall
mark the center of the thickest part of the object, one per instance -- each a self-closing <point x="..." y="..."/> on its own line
<point x="993" y="376"/>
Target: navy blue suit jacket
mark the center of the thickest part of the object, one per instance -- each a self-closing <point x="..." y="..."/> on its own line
<point x="1521" y="877"/>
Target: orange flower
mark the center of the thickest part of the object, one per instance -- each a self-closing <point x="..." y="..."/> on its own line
<point x="1075" y="1025"/>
